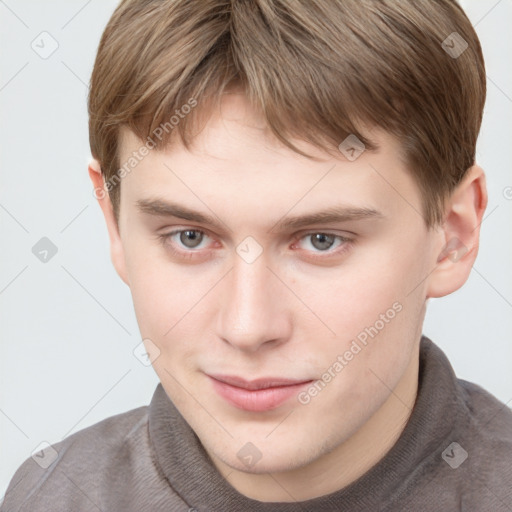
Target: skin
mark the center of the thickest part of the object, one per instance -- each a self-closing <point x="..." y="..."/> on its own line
<point x="287" y="313"/>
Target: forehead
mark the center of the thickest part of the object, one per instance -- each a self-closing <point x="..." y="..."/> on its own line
<point x="236" y="120"/>
<point x="236" y="161"/>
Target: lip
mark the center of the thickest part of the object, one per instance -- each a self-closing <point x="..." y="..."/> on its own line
<point x="258" y="395"/>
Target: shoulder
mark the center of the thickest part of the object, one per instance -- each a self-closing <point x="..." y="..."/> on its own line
<point x="488" y="444"/>
<point x="489" y="417"/>
<point x="67" y="475"/>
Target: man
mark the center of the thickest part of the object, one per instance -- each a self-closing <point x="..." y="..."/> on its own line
<point x="285" y="184"/>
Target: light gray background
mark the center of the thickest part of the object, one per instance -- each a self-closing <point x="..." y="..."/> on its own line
<point x="68" y="327"/>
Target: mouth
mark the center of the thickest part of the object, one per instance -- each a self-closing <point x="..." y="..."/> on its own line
<point x="257" y="395"/>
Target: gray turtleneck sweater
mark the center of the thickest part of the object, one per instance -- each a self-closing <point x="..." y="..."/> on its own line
<point x="455" y="454"/>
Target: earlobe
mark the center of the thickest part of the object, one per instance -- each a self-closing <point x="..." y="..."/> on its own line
<point x="101" y="194"/>
<point x="459" y="236"/>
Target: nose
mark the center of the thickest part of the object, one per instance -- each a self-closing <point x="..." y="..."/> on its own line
<point x="252" y="308"/>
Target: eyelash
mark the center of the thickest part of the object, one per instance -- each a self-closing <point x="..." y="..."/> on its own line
<point x="345" y="245"/>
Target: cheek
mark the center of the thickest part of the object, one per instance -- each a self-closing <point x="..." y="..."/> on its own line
<point x="172" y="303"/>
<point x="159" y="291"/>
<point x="164" y="302"/>
<point x="353" y="295"/>
<point x="372" y="298"/>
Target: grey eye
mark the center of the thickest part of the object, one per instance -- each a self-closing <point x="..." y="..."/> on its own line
<point x="322" y="241"/>
<point x="191" y="238"/>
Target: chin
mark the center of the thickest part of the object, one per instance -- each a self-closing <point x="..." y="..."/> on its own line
<point x="271" y="459"/>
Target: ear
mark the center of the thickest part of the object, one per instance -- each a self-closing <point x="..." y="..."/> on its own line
<point x="459" y="234"/>
<point x="101" y="194"/>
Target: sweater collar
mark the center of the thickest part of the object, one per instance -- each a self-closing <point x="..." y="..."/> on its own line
<point x="193" y="476"/>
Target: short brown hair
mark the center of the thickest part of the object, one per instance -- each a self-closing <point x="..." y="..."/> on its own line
<point x="316" y="69"/>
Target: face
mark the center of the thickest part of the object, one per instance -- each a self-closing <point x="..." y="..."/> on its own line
<point x="253" y="293"/>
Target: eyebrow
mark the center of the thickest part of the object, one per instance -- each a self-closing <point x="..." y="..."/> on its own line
<point x="161" y="208"/>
